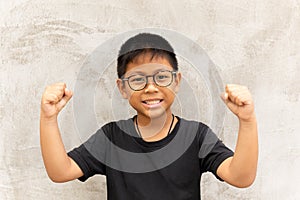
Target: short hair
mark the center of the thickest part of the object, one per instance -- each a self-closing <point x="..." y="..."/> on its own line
<point x="141" y="44"/>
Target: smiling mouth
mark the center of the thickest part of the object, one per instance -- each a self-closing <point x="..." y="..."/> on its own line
<point x="152" y="102"/>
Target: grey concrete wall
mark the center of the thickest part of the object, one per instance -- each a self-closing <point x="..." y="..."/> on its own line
<point x="256" y="43"/>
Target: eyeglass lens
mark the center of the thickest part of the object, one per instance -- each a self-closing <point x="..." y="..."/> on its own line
<point x="161" y="78"/>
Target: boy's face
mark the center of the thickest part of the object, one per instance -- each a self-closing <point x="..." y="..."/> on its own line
<point x="152" y="101"/>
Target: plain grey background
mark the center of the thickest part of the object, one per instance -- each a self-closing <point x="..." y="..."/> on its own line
<point x="255" y="43"/>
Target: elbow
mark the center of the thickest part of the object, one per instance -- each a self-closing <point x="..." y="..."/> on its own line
<point x="244" y="181"/>
<point x="57" y="178"/>
<point x="244" y="184"/>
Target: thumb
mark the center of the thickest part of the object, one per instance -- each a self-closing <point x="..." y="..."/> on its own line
<point x="67" y="96"/>
<point x="228" y="102"/>
<point x="224" y="96"/>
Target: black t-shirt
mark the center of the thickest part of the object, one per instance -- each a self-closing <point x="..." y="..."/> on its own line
<point x="168" y="169"/>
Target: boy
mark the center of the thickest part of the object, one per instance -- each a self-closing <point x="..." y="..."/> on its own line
<point x="148" y="77"/>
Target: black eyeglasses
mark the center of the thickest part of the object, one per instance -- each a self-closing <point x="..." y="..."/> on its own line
<point x="162" y="78"/>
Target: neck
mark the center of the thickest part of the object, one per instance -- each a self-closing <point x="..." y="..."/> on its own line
<point x="154" y="128"/>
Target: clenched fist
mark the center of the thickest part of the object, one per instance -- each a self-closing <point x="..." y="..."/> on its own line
<point x="55" y="97"/>
<point x="239" y="100"/>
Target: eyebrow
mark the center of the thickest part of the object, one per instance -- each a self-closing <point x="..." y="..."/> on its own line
<point x="143" y="73"/>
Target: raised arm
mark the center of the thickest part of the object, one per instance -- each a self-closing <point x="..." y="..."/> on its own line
<point x="240" y="170"/>
<point x="60" y="167"/>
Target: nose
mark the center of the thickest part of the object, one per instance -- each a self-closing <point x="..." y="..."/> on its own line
<point x="151" y="85"/>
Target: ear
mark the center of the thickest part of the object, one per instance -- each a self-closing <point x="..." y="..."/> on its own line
<point x="177" y="82"/>
<point x="122" y="89"/>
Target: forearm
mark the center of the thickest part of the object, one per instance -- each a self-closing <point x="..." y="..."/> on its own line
<point x="244" y="161"/>
<point x="54" y="154"/>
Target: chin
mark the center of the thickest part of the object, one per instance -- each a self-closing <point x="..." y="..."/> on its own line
<point x="157" y="113"/>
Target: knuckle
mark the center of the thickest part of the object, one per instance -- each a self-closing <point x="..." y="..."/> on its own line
<point x="55" y="97"/>
<point x="62" y="84"/>
<point x="48" y="88"/>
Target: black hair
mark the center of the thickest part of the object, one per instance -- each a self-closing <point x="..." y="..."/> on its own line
<point x="141" y="44"/>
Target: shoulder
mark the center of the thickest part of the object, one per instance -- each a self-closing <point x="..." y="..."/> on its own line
<point x="202" y="130"/>
<point x="192" y="123"/>
<point x="117" y="127"/>
<point x="114" y="131"/>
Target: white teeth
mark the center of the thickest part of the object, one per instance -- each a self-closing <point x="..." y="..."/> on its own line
<point x="152" y="102"/>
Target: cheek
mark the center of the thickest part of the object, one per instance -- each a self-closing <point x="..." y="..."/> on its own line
<point x="132" y="98"/>
<point x="128" y="92"/>
<point x="171" y="97"/>
<point x="171" y="92"/>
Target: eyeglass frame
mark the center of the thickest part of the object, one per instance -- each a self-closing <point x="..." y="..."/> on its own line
<point x="173" y="73"/>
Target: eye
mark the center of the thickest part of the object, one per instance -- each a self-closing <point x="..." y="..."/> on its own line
<point x="161" y="77"/>
<point x="137" y="79"/>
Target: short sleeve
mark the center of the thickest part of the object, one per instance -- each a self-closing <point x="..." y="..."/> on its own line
<point x="212" y="152"/>
<point x="88" y="162"/>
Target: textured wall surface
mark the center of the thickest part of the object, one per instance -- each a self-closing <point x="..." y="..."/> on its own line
<point x="256" y="43"/>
